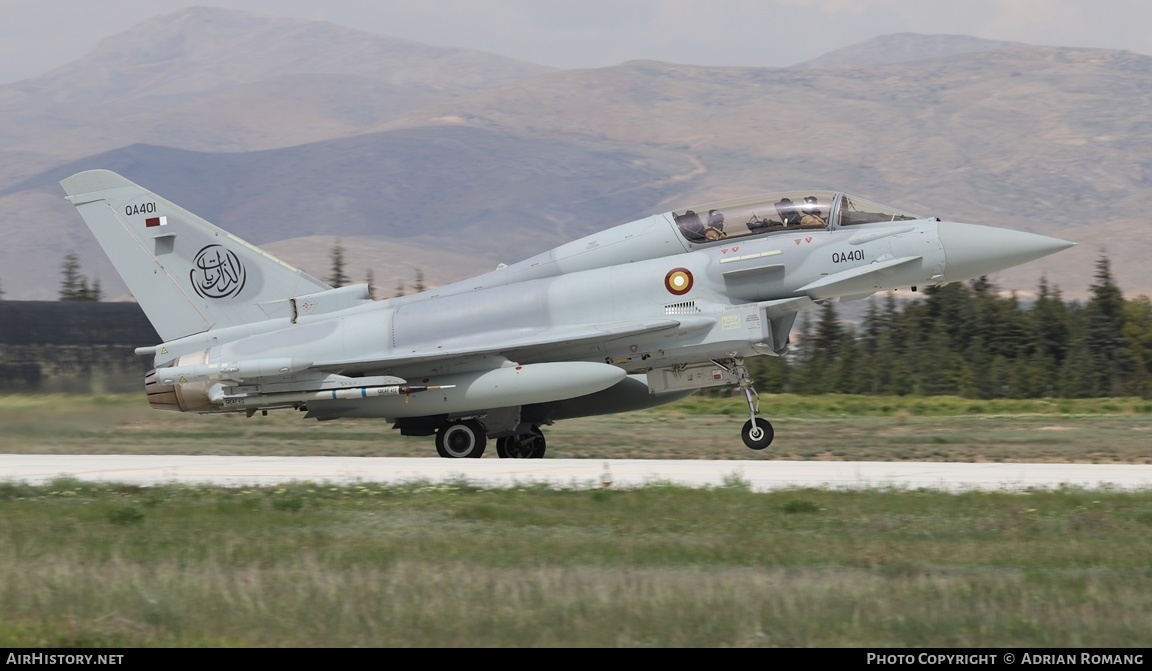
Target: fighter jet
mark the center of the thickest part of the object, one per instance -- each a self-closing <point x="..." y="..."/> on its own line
<point x="635" y="316"/>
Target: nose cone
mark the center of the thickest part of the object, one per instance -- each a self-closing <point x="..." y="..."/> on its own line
<point x="971" y="250"/>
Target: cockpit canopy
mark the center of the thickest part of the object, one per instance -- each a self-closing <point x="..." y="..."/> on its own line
<point x="780" y="212"/>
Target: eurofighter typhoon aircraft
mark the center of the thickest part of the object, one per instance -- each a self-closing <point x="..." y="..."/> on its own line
<point x="632" y="317"/>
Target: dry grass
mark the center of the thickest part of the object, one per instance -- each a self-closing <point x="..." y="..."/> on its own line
<point x="86" y="564"/>
<point x="121" y="604"/>
<point x="807" y="428"/>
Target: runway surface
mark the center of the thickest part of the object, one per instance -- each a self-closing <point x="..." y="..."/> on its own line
<point x="576" y="473"/>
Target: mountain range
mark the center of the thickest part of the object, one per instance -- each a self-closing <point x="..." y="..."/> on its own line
<point x="416" y="159"/>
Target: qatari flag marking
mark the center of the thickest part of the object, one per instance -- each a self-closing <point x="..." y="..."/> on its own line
<point x="156" y="221"/>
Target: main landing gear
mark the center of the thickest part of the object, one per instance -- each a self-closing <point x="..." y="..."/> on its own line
<point x="757" y="432"/>
<point x="466" y="439"/>
<point x="522" y="446"/>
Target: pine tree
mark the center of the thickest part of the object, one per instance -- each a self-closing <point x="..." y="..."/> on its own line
<point x="371" y="282"/>
<point x="850" y="378"/>
<point x="894" y="324"/>
<point x="981" y="384"/>
<point x="771" y="373"/>
<point x="1138" y="334"/>
<point x="871" y="328"/>
<point x="1014" y="332"/>
<point x="399" y="287"/>
<point x="800" y="356"/>
<point x="881" y="358"/>
<point x="338" y="278"/>
<point x="1078" y="377"/>
<point x="70" y="284"/>
<point x="986" y="321"/>
<point x="950" y="306"/>
<point x="829" y="333"/>
<point x="1050" y="324"/>
<point x="872" y="368"/>
<point x="1050" y="339"/>
<point x="419" y="287"/>
<point x="73" y="285"/>
<point x="825" y="353"/>
<point x="934" y="372"/>
<point x="1103" y="331"/>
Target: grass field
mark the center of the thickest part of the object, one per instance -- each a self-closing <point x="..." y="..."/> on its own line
<point x="312" y="564"/>
<point x="452" y="565"/>
<point x="807" y="428"/>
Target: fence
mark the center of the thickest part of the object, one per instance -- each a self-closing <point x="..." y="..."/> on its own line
<point x="73" y="347"/>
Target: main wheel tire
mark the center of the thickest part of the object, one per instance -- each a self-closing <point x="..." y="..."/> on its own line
<point x="461" y="440"/>
<point x="522" y="446"/>
<point x="760" y="436"/>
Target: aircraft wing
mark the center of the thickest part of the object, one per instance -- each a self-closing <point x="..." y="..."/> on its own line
<point x="520" y="345"/>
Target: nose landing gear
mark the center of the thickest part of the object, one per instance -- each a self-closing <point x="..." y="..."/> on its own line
<point x="757" y="432"/>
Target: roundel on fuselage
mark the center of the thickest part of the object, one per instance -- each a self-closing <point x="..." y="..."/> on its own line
<point x="678" y="281"/>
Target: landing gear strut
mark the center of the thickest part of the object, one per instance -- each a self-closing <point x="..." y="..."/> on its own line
<point x="757" y="432"/>
<point x="522" y="446"/>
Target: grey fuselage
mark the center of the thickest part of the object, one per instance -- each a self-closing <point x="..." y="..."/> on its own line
<point x="648" y="295"/>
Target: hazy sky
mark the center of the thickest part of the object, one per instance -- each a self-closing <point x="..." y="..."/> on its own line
<point x="39" y="35"/>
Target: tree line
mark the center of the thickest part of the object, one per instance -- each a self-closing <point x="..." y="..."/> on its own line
<point x="966" y="339"/>
<point x="338" y="277"/>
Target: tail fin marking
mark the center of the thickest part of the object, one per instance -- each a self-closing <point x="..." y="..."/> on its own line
<point x="188" y="275"/>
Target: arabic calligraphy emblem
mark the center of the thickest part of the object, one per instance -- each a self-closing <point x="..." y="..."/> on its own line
<point x="217" y="273"/>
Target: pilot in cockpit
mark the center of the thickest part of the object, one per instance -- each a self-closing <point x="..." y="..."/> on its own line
<point x="788" y="212"/>
<point x="715" y="229"/>
<point x="697" y="230"/>
<point x="810" y="213"/>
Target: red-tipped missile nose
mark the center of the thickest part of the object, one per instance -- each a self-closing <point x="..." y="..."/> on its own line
<point x="971" y="251"/>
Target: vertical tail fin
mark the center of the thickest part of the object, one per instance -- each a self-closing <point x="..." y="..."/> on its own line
<point x="188" y="275"/>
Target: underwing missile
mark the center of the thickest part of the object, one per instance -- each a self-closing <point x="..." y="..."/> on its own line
<point x="239" y="370"/>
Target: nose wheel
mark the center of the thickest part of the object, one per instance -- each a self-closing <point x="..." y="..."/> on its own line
<point x="757" y="433"/>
